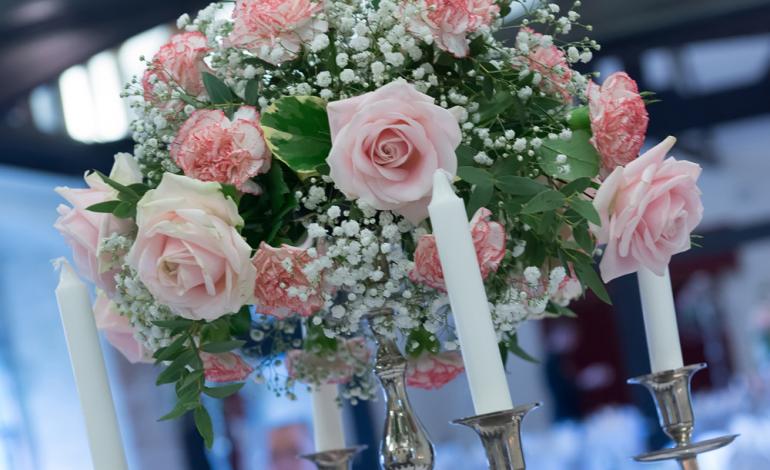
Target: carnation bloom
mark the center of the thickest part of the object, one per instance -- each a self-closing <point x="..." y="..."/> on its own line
<point x="178" y="63"/>
<point x="211" y="147"/>
<point x="549" y="61"/>
<point x="648" y="210"/>
<point x="118" y="330"/>
<point x="224" y="367"/>
<point x="387" y="144"/>
<point x="488" y="240"/>
<point x="84" y="230"/>
<point x="281" y="287"/>
<point x="430" y="371"/>
<point x="618" y="120"/>
<point x="332" y="367"/>
<point x="450" y="22"/>
<point x="188" y="252"/>
<point x="275" y="30"/>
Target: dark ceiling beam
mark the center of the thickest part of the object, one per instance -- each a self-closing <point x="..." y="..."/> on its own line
<point x="43" y="50"/>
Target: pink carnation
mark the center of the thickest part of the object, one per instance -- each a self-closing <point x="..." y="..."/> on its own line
<point x="332" y="368"/>
<point x="387" y="144"/>
<point x="648" y="210"/>
<point x="618" y="120"/>
<point x="118" y="330"/>
<point x="431" y="371"/>
<point x="282" y="288"/>
<point x="488" y="239"/>
<point x="211" y="147"/>
<point x="225" y="367"/>
<point x="450" y="22"/>
<point x="549" y="61"/>
<point x="178" y="63"/>
<point x="275" y="30"/>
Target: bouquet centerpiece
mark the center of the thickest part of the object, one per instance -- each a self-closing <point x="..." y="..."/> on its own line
<point x="284" y="159"/>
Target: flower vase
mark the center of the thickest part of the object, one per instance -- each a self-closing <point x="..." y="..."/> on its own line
<point x="405" y="443"/>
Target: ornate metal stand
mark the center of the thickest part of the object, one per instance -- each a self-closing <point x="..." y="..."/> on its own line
<point x="671" y="391"/>
<point x="337" y="459"/>
<point x="500" y="433"/>
<point x="405" y="444"/>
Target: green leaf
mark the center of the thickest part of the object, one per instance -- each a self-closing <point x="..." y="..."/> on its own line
<point x="474" y="175"/>
<point x="107" y="206"/>
<point x="489" y="109"/>
<point x="277" y="187"/>
<point x="174" y="371"/>
<point x="180" y="322"/>
<point x="480" y="197"/>
<point x="179" y="409"/>
<point x="218" y="91"/>
<point x="115" y="185"/>
<point x="241" y="321"/>
<point x="203" y="423"/>
<point x="519" y="185"/>
<point x="515" y="348"/>
<point x="251" y="95"/>
<point x="576" y="186"/>
<point x="296" y="129"/>
<point x="579" y="119"/>
<point x="586" y="209"/>
<point x="465" y="154"/>
<point x="421" y="340"/>
<point x="230" y="191"/>
<point x="222" y="346"/>
<point x="172" y="351"/>
<point x="223" y="391"/>
<point x="590" y="279"/>
<point x="582" y="158"/>
<point x="125" y="210"/>
<point x="544" y="202"/>
<point x="583" y="237"/>
<point x="505" y="166"/>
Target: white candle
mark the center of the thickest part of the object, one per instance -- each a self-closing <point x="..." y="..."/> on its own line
<point x="660" y="321"/>
<point x="90" y="372"/>
<point x="327" y="419"/>
<point x="483" y="364"/>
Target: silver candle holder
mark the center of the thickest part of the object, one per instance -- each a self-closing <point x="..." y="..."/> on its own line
<point x="671" y="391"/>
<point x="500" y="434"/>
<point x="336" y="459"/>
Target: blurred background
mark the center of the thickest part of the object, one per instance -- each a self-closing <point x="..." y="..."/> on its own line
<point x="62" y="67"/>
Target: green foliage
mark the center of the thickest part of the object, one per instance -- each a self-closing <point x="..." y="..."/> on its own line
<point x="218" y="91"/>
<point x="128" y="196"/>
<point x="582" y="158"/>
<point x="421" y="340"/>
<point x="297" y="131"/>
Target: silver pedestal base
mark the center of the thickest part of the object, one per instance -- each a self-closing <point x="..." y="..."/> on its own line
<point x="500" y="434"/>
<point x="336" y="459"/>
<point x="671" y="391"/>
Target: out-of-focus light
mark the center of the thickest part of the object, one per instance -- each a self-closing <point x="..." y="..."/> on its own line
<point x="44" y="105"/>
<point x="77" y="104"/>
<point x="34" y="12"/>
<point x="143" y="44"/>
<point x="104" y="76"/>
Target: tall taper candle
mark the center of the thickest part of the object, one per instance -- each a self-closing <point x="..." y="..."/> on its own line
<point x="327" y="419"/>
<point x="90" y="372"/>
<point x="470" y="307"/>
<point x="660" y="321"/>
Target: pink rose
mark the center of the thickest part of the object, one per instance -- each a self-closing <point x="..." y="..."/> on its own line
<point x="331" y="368"/>
<point x="281" y="287"/>
<point x="549" y="61"/>
<point x="450" y="22"/>
<point x="211" y="147"/>
<point x="188" y="252"/>
<point x="618" y="120"/>
<point x="431" y="371"/>
<point x="488" y="239"/>
<point x="275" y="30"/>
<point x="179" y="63"/>
<point x="224" y="367"/>
<point x="648" y="210"/>
<point x="84" y="230"/>
<point x="118" y="330"/>
<point x="386" y="146"/>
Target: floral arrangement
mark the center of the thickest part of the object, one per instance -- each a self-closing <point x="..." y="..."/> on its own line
<point x="283" y="165"/>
